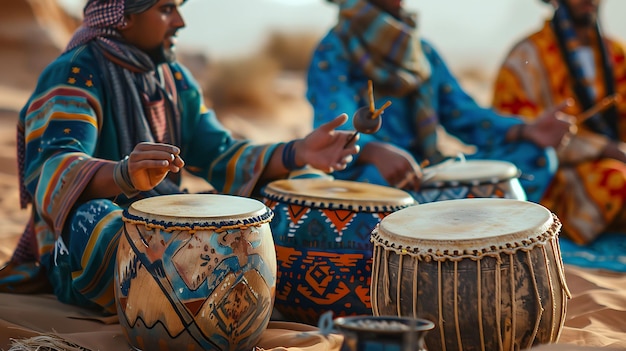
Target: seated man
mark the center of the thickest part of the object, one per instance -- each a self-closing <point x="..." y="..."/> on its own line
<point x="114" y="119"/>
<point x="570" y="58"/>
<point x="377" y="40"/>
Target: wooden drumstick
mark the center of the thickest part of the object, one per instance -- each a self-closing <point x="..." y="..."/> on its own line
<point x="370" y="90"/>
<point x="599" y="107"/>
<point x="380" y="110"/>
<point x="409" y="175"/>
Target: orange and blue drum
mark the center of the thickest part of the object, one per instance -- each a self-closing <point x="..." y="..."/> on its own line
<point x="195" y="272"/>
<point x="488" y="272"/>
<point x="322" y="231"/>
<point x="464" y="179"/>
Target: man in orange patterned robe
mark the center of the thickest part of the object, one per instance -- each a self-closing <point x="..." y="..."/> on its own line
<point x="571" y="58"/>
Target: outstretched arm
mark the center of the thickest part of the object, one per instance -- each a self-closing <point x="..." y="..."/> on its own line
<point x="322" y="149"/>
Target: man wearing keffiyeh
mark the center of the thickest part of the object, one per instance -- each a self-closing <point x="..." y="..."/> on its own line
<point x="113" y="120"/>
<point x="378" y="40"/>
<point x="571" y="57"/>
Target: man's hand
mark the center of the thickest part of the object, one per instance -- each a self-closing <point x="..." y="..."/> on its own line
<point x="149" y="163"/>
<point x="397" y="166"/>
<point x="553" y="128"/>
<point x="325" y="147"/>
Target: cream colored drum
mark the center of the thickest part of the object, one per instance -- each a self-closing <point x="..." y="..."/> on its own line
<point x="460" y="179"/>
<point x="195" y="272"/>
<point x="488" y="272"/>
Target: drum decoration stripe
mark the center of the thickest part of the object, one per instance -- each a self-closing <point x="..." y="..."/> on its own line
<point x="373" y="208"/>
<point x="471" y="182"/>
<point x="374" y="282"/>
<point x="479" y="288"/>
<point x="498" y="282"/>
<point x="540" y="308"/>
<point x="386" y="279"/>
<point x="218" y="227"/>
<point x="399" y="284"/>
<point x="440" y="298"/>
<point x="456" y="305"/>
<point x="340" y="220"/>
<point x="556" y="248"/>
<point x="513" y="303"/>
<point x="296" y="213"/>
<point x="550" y="285"/>
<point x="415" y="289"/>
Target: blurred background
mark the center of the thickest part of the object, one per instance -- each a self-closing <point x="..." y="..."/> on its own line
<point x="250" y="58"/>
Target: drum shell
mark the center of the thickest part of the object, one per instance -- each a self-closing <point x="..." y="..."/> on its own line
<point x="193" y="285"/>
<point x="508" y="299"/>
<point x="324" y="253"/>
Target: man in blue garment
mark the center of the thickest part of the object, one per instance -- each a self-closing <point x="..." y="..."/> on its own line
<point x="377" y="40"/>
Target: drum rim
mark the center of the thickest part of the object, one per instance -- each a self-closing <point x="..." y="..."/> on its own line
<point x="430" y="249"/>
<point x="263" y="215"/>
<point x="373" y="205"/>
<point x="513" y="172"/>
<point x="423" y="324"/>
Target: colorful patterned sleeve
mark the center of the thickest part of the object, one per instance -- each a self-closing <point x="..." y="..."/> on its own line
<point x="61" y="128"/>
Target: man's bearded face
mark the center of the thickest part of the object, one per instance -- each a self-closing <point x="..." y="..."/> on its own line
<point x="584" y="12"/>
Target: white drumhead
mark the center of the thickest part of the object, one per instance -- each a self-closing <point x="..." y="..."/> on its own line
<point x="465" y="224"/>
<point x="324" y="192"/>
<point x="197" y="207"/>
<point x="470" y="170"/>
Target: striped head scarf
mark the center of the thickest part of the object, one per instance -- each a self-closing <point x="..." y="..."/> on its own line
<point x="562" y="24"/>
<point x="102" y="18"/>
<point x="389" y="51"/>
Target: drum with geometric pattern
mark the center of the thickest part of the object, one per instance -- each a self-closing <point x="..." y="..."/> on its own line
<point x="322" y="231"/>
<point x="470" y="179"/>
<point x="195" y="272"/>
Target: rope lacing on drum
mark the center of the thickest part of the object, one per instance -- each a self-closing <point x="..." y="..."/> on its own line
<point x="453" y="254"/>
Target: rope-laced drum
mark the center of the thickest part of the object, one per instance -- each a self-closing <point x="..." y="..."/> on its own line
<point x="322" y="231"/>
<point x="195" y="272"/>
<point x="488" y="272"/>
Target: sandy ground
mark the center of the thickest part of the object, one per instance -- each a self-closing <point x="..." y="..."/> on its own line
<point x="12" y="218"/>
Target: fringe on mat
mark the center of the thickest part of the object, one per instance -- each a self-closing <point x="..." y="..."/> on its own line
<point x="45" y="342"/>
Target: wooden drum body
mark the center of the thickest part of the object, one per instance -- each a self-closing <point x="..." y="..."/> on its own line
<point x="487" y="272"/>
<point x="195" y="272"/>
<point x="470" y="179"/>
<point x="322" y="230"/>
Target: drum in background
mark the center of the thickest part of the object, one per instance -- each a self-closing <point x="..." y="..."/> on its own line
<point x="322" y="229"/>
<point x="195" y="272"/>
<point x="462" y="179"/>
<point x="487" y="272"/>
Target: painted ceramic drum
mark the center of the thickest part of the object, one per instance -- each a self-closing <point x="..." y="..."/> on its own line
<point x="470" y="179"/>
<point x="487" y="272"/>
<point x="195" y="272"/>
<point x="322" y="230"/>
